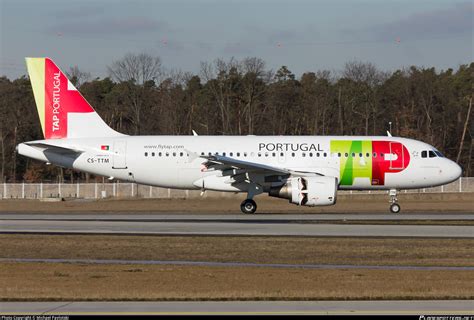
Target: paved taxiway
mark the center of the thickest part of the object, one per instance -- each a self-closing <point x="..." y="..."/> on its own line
<point x="239" y="264"/>
<point x="262" y="225"/>
<point x="438" y="307"/>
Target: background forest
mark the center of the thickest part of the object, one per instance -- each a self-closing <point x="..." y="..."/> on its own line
<point x="240" y="97"/>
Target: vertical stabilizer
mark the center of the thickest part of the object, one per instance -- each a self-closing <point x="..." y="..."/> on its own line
<point x="63" y="111"/>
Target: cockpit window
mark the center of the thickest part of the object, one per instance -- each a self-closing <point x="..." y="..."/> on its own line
<point x="431" y="154"/>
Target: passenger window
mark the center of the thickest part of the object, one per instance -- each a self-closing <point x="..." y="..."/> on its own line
<point x="325" y="154"/>
<point x="317" y="154"/>
<point x="181" y="154"/>
<point x="245" y="154"/>
<point x="346" y="154"/>
<point x="223" y="153"/>
<point x="152" y="154"/>
<point x="424" y="154"/>
<point x="375" y="155"/>
<point x="238" y="154"/>
<point x="231" y="154"/>
<point x="339" y="154"/>
<point x="304" y="154"/>
<point x="167" y="154"/>
<point x="367" y="154"/>
<point x="146" y="154"/>
<point x="360" y="155"/>
<point x="174" y="154"/>
<point x="273" y="154"/>
<point x="353" y="155"/>
<point x="293" y="154"/>
<point x="432" y="154"/>
<point x="202" y="153"/>
<point x="381" y="154"/>
<point x="159" y="154"/>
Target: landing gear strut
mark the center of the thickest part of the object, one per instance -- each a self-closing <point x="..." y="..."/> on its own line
<point x="394" y="206"/>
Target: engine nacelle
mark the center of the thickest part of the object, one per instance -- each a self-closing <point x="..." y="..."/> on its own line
<point x="308" y="191"/>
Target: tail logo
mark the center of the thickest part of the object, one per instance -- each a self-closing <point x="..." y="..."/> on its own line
<point x="61" y="99"/>
<point x="56" y="102"/>
<point x="56" y="98"/>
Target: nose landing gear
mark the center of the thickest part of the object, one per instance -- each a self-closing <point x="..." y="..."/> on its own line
<point x="394" y="206"/>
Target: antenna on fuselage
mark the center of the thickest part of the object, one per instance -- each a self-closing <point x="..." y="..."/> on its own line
<point x="194" y="133"/>
<point x="390" y="129"/>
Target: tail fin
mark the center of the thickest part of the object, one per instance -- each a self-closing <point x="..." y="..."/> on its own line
<point x="63" y="111"/>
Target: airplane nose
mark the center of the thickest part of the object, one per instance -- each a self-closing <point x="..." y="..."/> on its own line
<point x="454" y="171"/>
<point x="457" y="170"/>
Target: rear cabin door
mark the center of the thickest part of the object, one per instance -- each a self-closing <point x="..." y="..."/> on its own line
<point x="120" y="154"/>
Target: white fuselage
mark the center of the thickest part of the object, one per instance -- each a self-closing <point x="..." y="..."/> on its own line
<point x="175" y="162"/>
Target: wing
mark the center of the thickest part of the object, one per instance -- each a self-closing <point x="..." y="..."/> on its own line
<point x="222" y="163"/>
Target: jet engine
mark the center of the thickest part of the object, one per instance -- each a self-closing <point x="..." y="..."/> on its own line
<point x="308" y="191"/>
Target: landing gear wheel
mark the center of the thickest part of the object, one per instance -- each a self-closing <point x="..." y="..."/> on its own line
<point x="248" y="206"/>
<point x="395" y="208"/>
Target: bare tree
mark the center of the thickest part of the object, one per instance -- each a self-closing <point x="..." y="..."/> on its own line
<point x="77" y="76"/>
<point x="140" y="72"/>
<point x="365" y="78"/>
<point x="138" y="68"/>
<point x="254" y="84"/>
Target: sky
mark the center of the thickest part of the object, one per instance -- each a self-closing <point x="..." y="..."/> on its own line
<point x="300" y="34"/>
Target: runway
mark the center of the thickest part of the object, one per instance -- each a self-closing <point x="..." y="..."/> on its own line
<point x="124" y="216"/>
<point x="236" y="225"/>
<point x="421" y="307"/>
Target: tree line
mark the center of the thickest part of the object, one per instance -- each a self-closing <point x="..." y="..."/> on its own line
<point x="240" y="97"/>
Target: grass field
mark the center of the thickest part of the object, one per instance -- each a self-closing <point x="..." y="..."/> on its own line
<point x="304" y="250"/>
<point x="62" y="281"/>
<point x="44" y="281"/>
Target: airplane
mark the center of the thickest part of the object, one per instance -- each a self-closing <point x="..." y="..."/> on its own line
<point x="306" y="170"/>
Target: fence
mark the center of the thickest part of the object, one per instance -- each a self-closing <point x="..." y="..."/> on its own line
<point x="133" y="190"/>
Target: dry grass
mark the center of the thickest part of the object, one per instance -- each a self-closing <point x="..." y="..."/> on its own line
<point x="292" y="250"/>
<point x="44" y="281"/>
<point x="446" y="202"/>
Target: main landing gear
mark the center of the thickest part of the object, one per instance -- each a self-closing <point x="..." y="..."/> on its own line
<point x="248" y="206"/>
<point x="394" y="206"/>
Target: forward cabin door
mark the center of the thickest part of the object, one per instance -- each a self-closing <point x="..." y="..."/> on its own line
<point x="120" y="154"/>
<point x="397" y="160"/>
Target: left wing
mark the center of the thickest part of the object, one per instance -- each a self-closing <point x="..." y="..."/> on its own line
<point x="222" y="163"/>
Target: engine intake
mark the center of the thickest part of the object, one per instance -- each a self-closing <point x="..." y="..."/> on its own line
<point x="308" y="191"/>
